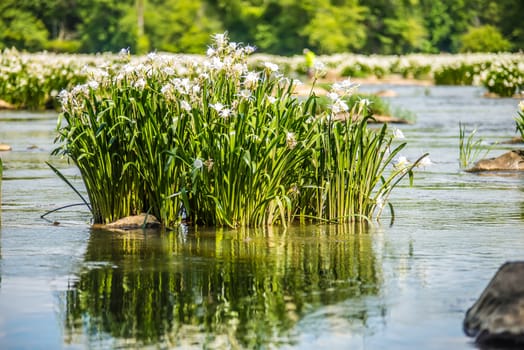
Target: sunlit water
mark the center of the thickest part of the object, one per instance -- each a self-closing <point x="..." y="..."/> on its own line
<point x="406" y="286"/>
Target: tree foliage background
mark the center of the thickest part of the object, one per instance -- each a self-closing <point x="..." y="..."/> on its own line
<point x="281" y="27"/>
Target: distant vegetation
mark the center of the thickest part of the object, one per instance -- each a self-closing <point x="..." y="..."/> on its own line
<point x="33" y="81"/>
<point x="273" y="26"/>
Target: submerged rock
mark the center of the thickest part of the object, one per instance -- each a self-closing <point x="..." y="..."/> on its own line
<point x="497" y="317"/>
<point x="132" y="222"/>
<point x="512" y="160"/>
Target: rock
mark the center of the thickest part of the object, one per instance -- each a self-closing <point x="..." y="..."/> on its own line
<point x="131" y="223"/>
<point x="6" y="105"/>
<point x="386" y="93"/>
<point x="4" y="147"/>
<point x="376" y="118"/>
<point x="513" y="140"/>
<point x="388" y="119"/>
<point x="497" y="317"/>
<point x="512" y="160"/>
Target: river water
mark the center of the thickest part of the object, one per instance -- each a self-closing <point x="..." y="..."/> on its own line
<point x="405" y="286"/>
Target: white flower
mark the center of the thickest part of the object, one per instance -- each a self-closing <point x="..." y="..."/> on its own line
<point x="140" y="83"/>
<point x="225" y="113"/>
<point x="93" y="84"/>
<point x="402" y="162"/>
<point x="249" y="49"/>
<point x="216" y="63"/>
<point x="364" y="102"/>
<point x="195" y="90"/>
<point x="245" y="94"/>
<point x="380" y="201"/>
<point x="319" y="69"/>
<point x="424" y="162"/>
<point x="220" y="40"/>
<point x="291" y="140"/>
<point x="398" y="134"/>
<point x="521" y="106"/>
<point x="198" y="164"/>
<point x="251" y="80"/>
<point x="217" y="106"/>
<point x="271" y="99"/>
<point x="210" y="52"/>
<point x="185" y="106"/>
<point x="346" y="86"/>
<point x="339" y="106"/>
<point x="333" y="96"/>
<point x="124" y="52"/>
<point x="271" y="66"/>
<point x="168" y="71"/>
<point x="151" y="56"/>
<point x="166" y="89"/>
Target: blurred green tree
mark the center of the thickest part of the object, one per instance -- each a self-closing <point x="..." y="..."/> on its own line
<point x="180" y="25"/>
<point x="485" y="38"/>
<point x="20" y="28"/>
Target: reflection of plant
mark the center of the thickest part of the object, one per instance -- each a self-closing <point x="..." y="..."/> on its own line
<point x="217" y="287"/>
<point x="1" y="175"/>
<point x="470" y="149"/>
<point x="520" y="119"/>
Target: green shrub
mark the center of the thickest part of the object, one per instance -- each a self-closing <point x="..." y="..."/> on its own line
<point x="63" y="46"/>
<point x="485" y="38"/>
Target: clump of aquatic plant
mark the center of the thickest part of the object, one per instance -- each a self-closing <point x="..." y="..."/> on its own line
<point x="413" y="66"/>
<point x="347" y="174"/>
<point x="519" y="121"/>
<point x="219" y="144"/>
<point x="505" y="78"/>
<point x="471" y="149"/>
<point x="459" y="72"/>
<point x="362" y="70"/>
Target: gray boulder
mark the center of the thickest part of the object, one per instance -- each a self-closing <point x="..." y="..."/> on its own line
<point x="497" y="317"/>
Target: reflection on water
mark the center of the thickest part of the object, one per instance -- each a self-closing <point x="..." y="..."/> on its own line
<point x="244" y="288"/>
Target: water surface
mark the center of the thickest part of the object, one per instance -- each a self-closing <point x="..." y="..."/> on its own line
<point x="406" y="286"/>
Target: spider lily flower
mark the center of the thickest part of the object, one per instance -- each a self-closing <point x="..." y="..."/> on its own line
<point x="402" y="163"/>
<point x="198" y="164"/>
<point x="271" y="67"/>
<point x="218" y="107"/>
<point x="398" y="134"/>
<point x="424" y="162"/>
<point x="339" y="106"/>
<point x="291" y="141"/>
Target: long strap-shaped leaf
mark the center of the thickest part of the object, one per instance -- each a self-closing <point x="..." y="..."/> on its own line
<point x="60" y="175"/>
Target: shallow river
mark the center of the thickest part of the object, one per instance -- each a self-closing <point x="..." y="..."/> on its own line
<point x="405" y="286"/>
